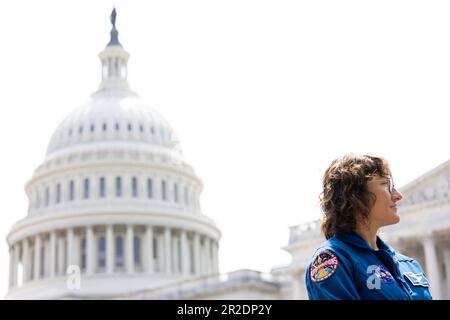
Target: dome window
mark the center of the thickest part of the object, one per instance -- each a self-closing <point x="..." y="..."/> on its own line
<point x="104" y="126"/>
<point x="102" y="188"/>
<point x="58" y="193"/>
<point x="119" y="252"/>
<point x="47" y="196"/>
<point x="192" y="257"/>
<point x="42" y="264"/>
<point x="186" y="196"/>
<point x="71" y="190"/>
<point x="152" y="130"/>
<point x="80" y="130"/>
<point x="118" y="186"/>
<point x="175" y="192"/>
<point x="149" y="188"/>
<point x="141" y="128"/>
<point x="92" y="127"/>
<point x="155" y="249"/>
<point x="137" y="251"/>
<point x="130" y="127"/>
<point x="83" y="254"/>
<point x="101" y="252"/>
<point x="86" y="188"/>
<point x="163" y="190"/>
<point x="38" y="200"/>
<point x="134" y="187"/>
<point x="117" y="126"/>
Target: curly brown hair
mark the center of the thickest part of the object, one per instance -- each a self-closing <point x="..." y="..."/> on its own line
<point x="345" y="199"/>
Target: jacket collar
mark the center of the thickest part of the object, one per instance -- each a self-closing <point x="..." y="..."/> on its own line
<point x="354" y="239"/>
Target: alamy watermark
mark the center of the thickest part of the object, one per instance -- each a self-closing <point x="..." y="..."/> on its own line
<point x="175" y="154"/>
<point x="73" y="281"/>
<point x="373" y="281"/>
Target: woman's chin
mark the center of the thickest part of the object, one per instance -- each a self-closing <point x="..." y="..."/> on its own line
<point x="395" y="218"/>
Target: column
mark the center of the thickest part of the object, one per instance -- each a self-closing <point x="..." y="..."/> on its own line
<point x="185" y="258"/>
<point x="148" y="252"/>
<point x="11" y="265"/>
<point x="52" y="254"/>
<point x="167" y="251"/>
<point x="142" y="186"/>
<point x="129" y="254"/>
<point x="196" y="253"/>
<point x="70" y="248"/>
<point x="126" y="184"/>
<point x="169" y="190"/>
<point x="110" y="249"/>
<point x="295" y="286"/>
<point x="79" y="187"/>
<point x="208" y="255"/>
<point x="77" y="249"/>
<point x="110" y="181"/>
<point x="175" y="262"/>
<point x="14" y="264"/>
<point x="46" y="256"/>
<point x="64" y="190"/>
<point x="447" y="269"/>
<point x="298" y="284"/>
<point x="90" y="250"/>
<point x="94" y="180"/>
<point x="156" y="185"/>
<point x="60" y="262"/>
<point x="215" y="258"/>
<point x="25" y="261"/>
<point x="432" y="266"/>
<point x="160" y="255"/>
<point x="37" y="258"/>
<point x="202" y="257"/>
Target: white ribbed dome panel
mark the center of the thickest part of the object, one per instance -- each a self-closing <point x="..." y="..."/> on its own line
<point x="111" y="115"/>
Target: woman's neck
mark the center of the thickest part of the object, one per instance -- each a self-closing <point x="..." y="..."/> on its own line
<point x="369" y="234"/>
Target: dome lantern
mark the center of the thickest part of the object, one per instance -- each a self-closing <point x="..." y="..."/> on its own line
<point x="114" y="60"/>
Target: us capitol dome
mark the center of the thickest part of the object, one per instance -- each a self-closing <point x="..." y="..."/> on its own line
<point x="113" y="202"/>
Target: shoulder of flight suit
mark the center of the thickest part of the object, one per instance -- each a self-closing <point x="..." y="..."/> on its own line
<point x="409" y="263"/>
<point x="413" y="271"/>
<point x="330" y="274"/>
<point x="402" y="257"/>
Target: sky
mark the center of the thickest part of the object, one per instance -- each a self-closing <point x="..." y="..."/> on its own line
<point x="262" y="95"/>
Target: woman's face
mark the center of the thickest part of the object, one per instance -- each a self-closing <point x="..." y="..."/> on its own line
<point x="384" y="210"/>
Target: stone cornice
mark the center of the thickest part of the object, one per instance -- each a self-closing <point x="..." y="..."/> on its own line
<point x="188" y="221"/>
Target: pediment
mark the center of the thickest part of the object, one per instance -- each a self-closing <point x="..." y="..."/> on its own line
<point x="432" y="186"/>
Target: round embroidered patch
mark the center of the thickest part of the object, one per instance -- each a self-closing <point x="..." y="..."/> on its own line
<point x="324" y="266"/>
<point x="383" y="274"/>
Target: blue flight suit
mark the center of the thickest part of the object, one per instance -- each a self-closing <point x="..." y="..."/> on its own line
<point x="345" y="267"/>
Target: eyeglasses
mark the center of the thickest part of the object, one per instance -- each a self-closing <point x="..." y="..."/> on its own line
<point x="390" y="184"/>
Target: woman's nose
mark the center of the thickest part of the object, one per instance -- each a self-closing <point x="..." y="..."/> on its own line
<point x="396" y="195"/>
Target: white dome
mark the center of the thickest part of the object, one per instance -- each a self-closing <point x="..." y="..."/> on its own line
<point x="113" y="199"/>
<point x="113" y="115"/>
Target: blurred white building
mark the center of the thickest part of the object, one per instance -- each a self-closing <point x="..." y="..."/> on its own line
<point x="114" y="213"/>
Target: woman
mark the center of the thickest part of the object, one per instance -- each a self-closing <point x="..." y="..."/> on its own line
<point x="359" y="198"/>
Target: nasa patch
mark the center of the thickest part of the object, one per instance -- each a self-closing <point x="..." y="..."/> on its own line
<point x="324" y="266"/>
<point x="383" y="274"/>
